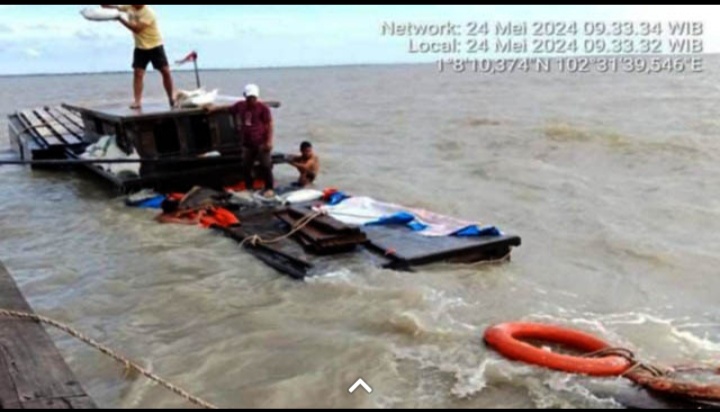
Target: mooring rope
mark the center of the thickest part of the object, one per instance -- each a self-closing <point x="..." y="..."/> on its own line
<point x="629" y="355"/>
<point x="298" y="226"/>
<point x="105" y="350"/>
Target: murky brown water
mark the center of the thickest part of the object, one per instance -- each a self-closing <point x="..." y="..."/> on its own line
<point x="610" y="180"/>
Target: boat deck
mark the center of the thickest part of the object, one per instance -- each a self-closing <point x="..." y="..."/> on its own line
<point x="169" y="142"/>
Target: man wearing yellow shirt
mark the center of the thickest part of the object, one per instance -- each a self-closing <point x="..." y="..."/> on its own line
<point x="149" y="48"/>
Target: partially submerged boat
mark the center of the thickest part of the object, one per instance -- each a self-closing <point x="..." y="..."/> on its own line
<point x="164" y="149"/>
<point x="177" y="150"/>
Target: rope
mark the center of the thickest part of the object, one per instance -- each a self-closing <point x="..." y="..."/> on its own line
<point x="255" y="240"/>
<point x="129" y="365"/>
<point x="629" y="355"/>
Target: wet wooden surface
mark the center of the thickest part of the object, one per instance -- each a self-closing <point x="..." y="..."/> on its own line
<point x="414" y="249"/>
<point x="33" y="374"/>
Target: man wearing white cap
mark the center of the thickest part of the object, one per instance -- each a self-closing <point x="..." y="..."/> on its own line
<point x="255" y="129"/>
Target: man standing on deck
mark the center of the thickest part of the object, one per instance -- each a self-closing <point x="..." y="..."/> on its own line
<point x="255" y="128"/>
<point x="149" y="47"/>
<point x="254" y="125"/>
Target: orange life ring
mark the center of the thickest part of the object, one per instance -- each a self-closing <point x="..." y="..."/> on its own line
<point x="505" y="339"/>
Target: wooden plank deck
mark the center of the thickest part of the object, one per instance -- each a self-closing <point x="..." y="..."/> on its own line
<point x="22" y="139"/>
<point x="33" y="374"/>
<point x="27" y="129"/>
<point x="41" y="129"/>
<point x="70" y="124"/>
<point x="57" y="127"/>
<point x="71" y="115"/>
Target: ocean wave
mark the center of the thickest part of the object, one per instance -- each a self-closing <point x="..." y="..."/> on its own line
<point x="608" y="326"/>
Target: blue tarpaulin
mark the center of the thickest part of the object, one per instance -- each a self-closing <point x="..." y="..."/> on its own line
<point x="412" y="222"/>
<point x="151" y="203"/>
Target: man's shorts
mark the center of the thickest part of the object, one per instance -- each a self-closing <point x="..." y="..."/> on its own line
<point x="157" y="56"/>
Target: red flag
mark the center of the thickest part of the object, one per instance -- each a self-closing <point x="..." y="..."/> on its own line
<point x="189" y="58"/>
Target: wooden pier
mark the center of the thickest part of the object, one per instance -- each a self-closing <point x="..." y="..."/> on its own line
<point x="33" y="374"/>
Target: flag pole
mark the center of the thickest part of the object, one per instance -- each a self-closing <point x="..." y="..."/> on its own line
<point x="197" y="73"/>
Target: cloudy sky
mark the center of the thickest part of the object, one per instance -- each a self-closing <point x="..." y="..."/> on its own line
<point x="56" y="39"/>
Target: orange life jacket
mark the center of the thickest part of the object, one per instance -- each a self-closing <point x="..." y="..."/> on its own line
<point x="218" y="216"/>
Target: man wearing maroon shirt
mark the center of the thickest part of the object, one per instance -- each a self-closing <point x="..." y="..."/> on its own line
<point x="255" y="129"/>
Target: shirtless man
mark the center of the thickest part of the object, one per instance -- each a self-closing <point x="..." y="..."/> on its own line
<point x="307" y="164"/>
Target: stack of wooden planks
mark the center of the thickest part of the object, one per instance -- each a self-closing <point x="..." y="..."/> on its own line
<point x="323" y="235"/>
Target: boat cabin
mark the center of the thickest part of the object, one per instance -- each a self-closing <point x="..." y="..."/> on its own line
<point x="179" y="148"/>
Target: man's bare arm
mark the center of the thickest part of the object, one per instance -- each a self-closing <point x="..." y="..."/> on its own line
<point x="302" y="167"/>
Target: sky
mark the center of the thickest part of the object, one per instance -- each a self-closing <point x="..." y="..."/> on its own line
<point x="56" y="39"/>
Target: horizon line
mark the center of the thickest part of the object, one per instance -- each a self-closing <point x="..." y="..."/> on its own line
<point x="216" y="69"/>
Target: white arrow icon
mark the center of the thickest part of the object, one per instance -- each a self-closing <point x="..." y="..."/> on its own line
<point x="358" y="384"/>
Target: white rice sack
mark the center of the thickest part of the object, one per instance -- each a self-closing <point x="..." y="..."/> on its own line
<point x="99" y="14"/>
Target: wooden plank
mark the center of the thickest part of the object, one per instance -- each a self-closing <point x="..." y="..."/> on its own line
<point x="78" y="402"/>
<point x="32" y="362"/>
<point x="314" y="234"/>
<point x="27" y="128"/>
<point x="69" y="124"/>
<point x="58" y="128"/>
<point x="9" y="398"/>
<point x="272" y="255"/>
<point x="416" y="249"/>
<point x="72" y="116"/>
<point x="325" y="221"/>
<point x="338" y="243"/>
<point x="240" y="235"/>
<point x="25" y="141"/>
<point x="322" y="239"/>
<point x="40" y="129"/>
